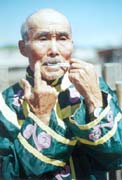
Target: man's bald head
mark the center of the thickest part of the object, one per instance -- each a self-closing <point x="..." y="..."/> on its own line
<point x="43" y="16"/>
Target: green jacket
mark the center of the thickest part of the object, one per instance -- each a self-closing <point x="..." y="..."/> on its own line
<point x="73" y="146"/>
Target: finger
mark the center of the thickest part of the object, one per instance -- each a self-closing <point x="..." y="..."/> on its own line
<point x="73" y="60"/>
<point x="27" y="88"/>
<point x="76" y="63"/>
<point x="83" y="63"/>
<point x="37" y="77"/>
<point x="76" y="66"/>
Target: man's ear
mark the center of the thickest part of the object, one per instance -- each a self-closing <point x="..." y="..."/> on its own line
<point x="22" y="47"/>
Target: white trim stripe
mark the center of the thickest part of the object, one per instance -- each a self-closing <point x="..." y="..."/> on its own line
<point x="8" y="113"/>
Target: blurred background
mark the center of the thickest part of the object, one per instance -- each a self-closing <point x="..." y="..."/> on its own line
<point x="97" y="35"/>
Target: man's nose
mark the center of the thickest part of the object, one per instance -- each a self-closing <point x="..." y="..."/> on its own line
<point x="53" y="49"/>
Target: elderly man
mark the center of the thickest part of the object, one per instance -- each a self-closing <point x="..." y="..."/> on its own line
<point x="61" y="122"/>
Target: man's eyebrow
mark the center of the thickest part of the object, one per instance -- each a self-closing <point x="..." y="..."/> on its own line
<point x="43" y="33"/>
<point x="63" y="33"/>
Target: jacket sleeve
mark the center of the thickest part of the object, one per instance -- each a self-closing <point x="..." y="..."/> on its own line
<point x="9" y="166"/>
<point x="32" y="149"/>
<point x="100" y="137"/>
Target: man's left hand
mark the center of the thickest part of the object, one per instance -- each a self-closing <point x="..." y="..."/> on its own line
<point x="84" y="78"/>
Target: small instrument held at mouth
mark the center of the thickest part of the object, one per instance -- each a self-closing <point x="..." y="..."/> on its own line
<point x="59" y="65"/>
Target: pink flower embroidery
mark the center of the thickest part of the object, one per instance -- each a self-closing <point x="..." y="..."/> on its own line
<point x="63" y="173"/>
<point x="42" y="141"/>
<point x="97" y="130"/>
<point x="17" y="100"/>
<point x="96" y="133"/>
<point x="28" y="131"/>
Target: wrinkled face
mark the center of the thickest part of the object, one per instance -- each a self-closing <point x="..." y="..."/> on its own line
<point x="49" y="41"/>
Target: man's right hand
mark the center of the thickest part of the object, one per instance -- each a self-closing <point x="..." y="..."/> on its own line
<point x="42" y="100"/>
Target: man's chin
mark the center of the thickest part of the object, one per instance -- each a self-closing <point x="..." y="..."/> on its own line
<point x="52" y="76"/>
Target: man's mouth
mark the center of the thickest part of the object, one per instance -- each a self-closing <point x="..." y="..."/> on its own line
<point x="55" y="62"/>
<point x="59" y="65"/>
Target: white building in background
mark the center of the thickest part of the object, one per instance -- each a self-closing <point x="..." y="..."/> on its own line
<point x="108" y="55"/>
<point x="86" y="54"/>
<point x="12" y="67"/>
<point x="12" y="58"/>
<point x="89" y="55"/>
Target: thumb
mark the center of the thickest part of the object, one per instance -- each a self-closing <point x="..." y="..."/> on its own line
<point x="27" y="88"/>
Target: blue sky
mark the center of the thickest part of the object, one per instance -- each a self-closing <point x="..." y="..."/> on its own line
<point x="94" y="22"/>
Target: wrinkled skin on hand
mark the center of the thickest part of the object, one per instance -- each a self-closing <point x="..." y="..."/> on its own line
<point x="42" y="100"/>
<point x="84" y="78"/>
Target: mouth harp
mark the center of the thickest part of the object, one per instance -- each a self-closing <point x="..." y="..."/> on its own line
<point x="59" y="65"/>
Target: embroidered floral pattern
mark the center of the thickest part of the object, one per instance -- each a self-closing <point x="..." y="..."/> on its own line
<point x="97" y="130"/>
<point x="96" y="133"/>
<point x="63" y="173"/>
<point x="74" y="95"/>
<point x="28" y="131"/>
<point x="42" y="141"/>
<point x="17" y="100"/>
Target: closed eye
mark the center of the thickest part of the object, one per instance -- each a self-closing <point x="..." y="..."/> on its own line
<point x="43" y="38"/>
<point x="63" y="38"/>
